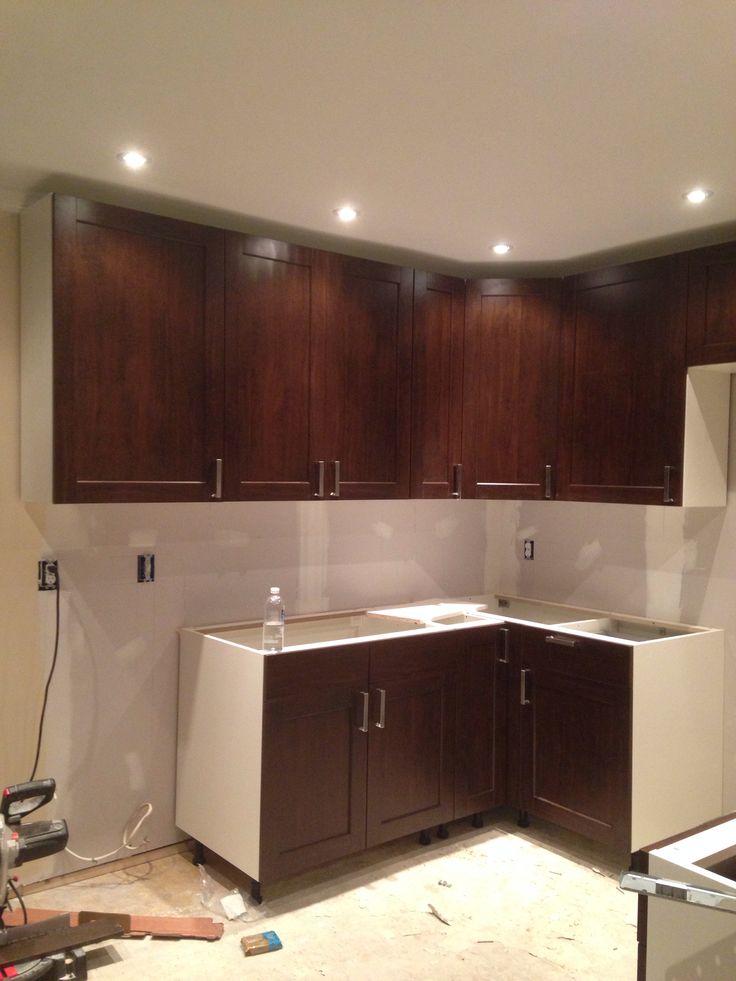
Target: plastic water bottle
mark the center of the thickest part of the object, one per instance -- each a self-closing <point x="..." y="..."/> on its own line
<point x="273" y="621"/>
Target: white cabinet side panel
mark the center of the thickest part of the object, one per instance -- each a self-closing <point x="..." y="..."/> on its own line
<point x="706" y="437"/>
<point x="677" y="736"/>
<point x="218" y="793"/>
<point x="686" y="942"/>
<point x="36" y="351"/>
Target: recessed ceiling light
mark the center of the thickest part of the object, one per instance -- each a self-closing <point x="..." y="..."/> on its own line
<point x="697" y="195"/>
<point x="347" y="213"/>
<point x="501" y="248"/>
<point x="133" y="159"/>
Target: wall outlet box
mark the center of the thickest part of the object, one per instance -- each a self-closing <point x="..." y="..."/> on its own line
<point x="146" y="568"/>
<point x="48" y="574"/>
<point x="528" y="548"/>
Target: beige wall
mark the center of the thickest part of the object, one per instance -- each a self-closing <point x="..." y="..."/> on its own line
<point x="20" y="542"/>
<point x="109" y="738"/>
<point x="110" y="731"/>
<point x="666" y="563"/>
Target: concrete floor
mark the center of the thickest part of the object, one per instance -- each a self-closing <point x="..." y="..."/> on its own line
<point x="529" y="905"/>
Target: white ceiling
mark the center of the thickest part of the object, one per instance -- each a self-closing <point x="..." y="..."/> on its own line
<point x="568" y="127"/>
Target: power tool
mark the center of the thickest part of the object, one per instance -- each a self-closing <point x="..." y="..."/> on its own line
<point x="24" y="843"/>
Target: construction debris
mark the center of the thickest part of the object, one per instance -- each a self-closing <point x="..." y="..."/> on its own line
<point x="181" y="927"/>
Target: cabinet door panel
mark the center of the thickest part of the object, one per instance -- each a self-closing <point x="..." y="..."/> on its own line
<point x="625" y="385"/>
<point x="270" y="305"/>
<point x="711" y="311"/>
<point x="138" y="355"/>
<point x="437" y="362"/>
<point x="576" y="740"/>
<point x="411" y="759"/>
<point x="481" y="722"/>
<point x="512" y="352"/>
<point x="361" y="378"/>
<point x="314" y="761"/>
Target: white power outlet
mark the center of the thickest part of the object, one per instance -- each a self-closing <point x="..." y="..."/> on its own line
<point x="528" y="548"/>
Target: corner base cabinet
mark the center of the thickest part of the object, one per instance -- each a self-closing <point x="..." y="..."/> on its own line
<point x="366" y="728"/>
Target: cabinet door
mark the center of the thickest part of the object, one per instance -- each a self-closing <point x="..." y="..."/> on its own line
<point x="271" y="303"/>
<point x="437" y="363"/>
<point x="624" y="388"/>
<point x="314" y="759"/>
<point x="512" y="356"/>
<point x="711" y="308"/>
<point x="361" y="379"/>
<point x="575" y="704"/>
<point x="412" y="736"/>
<point x="480" y="781"/>
<point x="138" y="355"/>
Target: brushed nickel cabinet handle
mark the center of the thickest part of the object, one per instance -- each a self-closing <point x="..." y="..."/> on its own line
<point x="561" y="640"/>
<point x="668" y="498"/>
<point x="548" y="482"/>
<point x="381" y="724"/>
<point x="525" y="676"/>
<point x="457" y="480"/>
<point x="336" y="491"/>
<point x="505" y="632"/>
<point x="320" y="492"/>
<point x="217" y="495"/>
<point x="366" y="703"/>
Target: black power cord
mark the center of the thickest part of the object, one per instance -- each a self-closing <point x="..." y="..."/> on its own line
<point x="48" y="682"/>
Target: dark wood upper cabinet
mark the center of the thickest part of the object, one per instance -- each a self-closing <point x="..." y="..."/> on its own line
<point x="437" y="365"/>
<point x="624" y="384"/>
<point x="272" y="301"/>
<point x="134" y="334"/>
<point x="361" y="371"/>
<point x="711" y="308"/>
<point x="512" y="356"/>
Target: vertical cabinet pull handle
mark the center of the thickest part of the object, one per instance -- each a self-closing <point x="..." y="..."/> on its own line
<point x="336" y="491"/>
<point x="320" y="492"/>
<point x="457" y="480"/>
<point x="525" y="676"/>
<point x="548" y="482"/>
<point x="668" y="498"/>
<point x="381" y="724"/>
<point x="366" y="703"/>
<point x="217" y="495"/>
<point x="504" y="631"/>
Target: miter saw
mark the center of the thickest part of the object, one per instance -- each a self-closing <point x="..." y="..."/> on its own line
<point x="23" y="843"/>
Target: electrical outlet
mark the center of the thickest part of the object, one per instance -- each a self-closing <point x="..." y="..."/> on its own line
<point x="528" y="548"/>
<point x="48" y="574"/>
<point x="146" y="567"/>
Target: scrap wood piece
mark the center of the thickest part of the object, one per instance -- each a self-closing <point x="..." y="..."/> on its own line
<point x="435" y="912"/>
<point x="181" y="927"/>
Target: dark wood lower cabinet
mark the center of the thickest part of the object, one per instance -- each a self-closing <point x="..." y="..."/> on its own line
<point x="411" y="742"/>
<point x="365" y="743"/>
<point x="482" y="704"/>
<point x="575" y="734"/>
<point x="314" y="759"/>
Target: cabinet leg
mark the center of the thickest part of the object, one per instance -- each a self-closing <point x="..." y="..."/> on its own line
<point x="255" y="891"/>
<point x="425" y="837"/>
<point x="477" y="821"/>
<point x="198" y="857"/>
<point x="442" y="831"/>
<point x="523" y="821"/>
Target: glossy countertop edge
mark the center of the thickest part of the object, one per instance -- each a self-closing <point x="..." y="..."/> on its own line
<point x="484" y="618"/>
